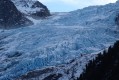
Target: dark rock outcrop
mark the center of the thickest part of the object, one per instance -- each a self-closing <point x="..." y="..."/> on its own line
<point x="53" y="77"/>
<point x="10" y="16"/>
<point x="35" y="74"/>
<point x="44" y="12"/>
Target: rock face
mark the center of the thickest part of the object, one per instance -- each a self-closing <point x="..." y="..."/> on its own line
<point x="32" y="7"/>
<point x="10" y="16"/>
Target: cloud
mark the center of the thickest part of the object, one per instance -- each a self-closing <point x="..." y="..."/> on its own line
<point x="99" y="2"/>
<point x="93" y="2"/>
<point x="68" y="5"/>
<point x="73" y="2"/>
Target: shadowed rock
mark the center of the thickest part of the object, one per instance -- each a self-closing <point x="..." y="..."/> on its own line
<point x="10" y="17"/>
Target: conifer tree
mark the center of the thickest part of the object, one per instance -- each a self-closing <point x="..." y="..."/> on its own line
<point x="104" y="67"/>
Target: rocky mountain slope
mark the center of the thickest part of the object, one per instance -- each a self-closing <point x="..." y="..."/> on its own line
<point x="14" y="13"/>
<point x="32" y="7"/>
<point x="59" y="46"/>
<point x="10" y="16"/>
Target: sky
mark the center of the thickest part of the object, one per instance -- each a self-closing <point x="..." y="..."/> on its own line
<point x="70" y="5"/>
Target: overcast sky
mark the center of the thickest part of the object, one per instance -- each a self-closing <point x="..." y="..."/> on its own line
<point x="70" y="5"/>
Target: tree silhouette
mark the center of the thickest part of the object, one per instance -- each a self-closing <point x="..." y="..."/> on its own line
<point x="104" y="67"/>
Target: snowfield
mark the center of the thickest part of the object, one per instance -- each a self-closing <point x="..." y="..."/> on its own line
<point x="57" y="40"/>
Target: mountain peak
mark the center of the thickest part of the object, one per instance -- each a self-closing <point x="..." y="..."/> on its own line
<point x="31" y="7"/>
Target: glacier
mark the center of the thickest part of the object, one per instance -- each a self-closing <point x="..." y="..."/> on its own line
<point x="57" y="39"/>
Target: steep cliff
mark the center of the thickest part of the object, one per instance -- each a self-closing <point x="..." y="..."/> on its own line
<point x="10" y="16"/>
